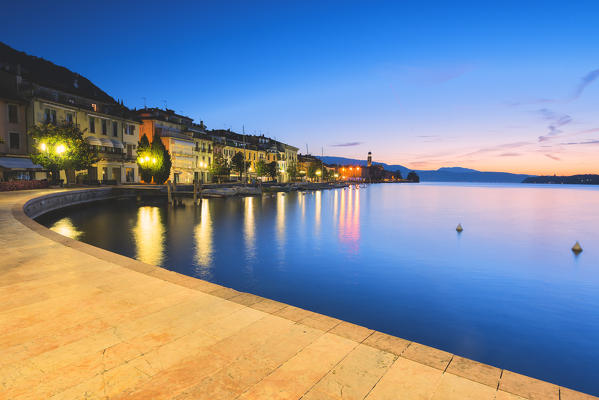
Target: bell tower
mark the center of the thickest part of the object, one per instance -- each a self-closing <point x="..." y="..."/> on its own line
<point x="369" y="160"/>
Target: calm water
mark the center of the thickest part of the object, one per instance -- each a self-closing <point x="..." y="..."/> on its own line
<point x="507" y="291"/>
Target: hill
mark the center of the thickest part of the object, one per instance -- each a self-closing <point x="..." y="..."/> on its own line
<point x="48" y="74"/>
<point x="444" y="174"/>
<point x="590" y="179"/>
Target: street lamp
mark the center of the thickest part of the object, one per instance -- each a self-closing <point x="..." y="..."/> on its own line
<point x="60" y="149"/>
<point x="43" y="147"/>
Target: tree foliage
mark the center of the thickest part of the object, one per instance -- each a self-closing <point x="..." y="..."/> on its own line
<point x="292" y="170"/>
<point x="238" y="164"/>
<point x="398" y="174"/>
<point x="61" y="147"/>
<point x="261" y="168"/>
<point x="312" y="168"/>
<point x="164" y="163"/>
<point x="145" y="168"/>
<point x="219" y="168"/>
<point x="413" y="177"/>
<point x="272" y="169"/>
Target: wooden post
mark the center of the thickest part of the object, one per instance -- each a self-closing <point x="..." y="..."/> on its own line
<point x="195" y="193"/>
<point x="168" y="191"/>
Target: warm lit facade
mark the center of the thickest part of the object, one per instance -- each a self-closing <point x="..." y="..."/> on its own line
<point x="190" y="149"/>
<point x="255" y="148"/>
<point x="107" y="128"/>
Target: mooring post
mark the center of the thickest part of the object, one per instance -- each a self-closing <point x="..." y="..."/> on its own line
<point x="195" y="193"/>
<point x="168" y="192"/>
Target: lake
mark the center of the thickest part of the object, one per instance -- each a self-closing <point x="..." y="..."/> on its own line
<point x="507" y="291"/>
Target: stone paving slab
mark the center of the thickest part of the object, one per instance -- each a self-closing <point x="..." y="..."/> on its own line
<point x="79" y="322"/>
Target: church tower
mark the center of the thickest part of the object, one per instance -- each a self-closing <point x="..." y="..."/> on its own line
<point x="369" y="162"/>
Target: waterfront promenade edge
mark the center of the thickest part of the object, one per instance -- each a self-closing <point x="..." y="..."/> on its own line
<point x="80" y="322"/>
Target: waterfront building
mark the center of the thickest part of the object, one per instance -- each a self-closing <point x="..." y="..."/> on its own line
<point x="55" y="95"/>
<point x="254" y="148"/>
<point x="177" y="134"/>
<point x="14" y="159"/>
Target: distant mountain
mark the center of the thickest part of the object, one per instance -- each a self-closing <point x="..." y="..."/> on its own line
<point x="444" y="174"/>
<point x="590" y="179"/>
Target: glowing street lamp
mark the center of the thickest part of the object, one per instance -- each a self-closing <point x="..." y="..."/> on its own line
<point x="43" y="147"/>
<point x="60" y="149"/>
<point x="318" y="172"/>
<point x="153" y="160"/>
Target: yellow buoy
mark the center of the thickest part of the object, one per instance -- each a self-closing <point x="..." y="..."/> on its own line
<point x="459" y="228"/>
<point x="577" y="248"/>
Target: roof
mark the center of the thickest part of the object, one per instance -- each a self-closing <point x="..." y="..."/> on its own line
<point x="18" y="163"/>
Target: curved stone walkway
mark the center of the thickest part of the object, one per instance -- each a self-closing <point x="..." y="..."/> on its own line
<point x="78" y="322"/>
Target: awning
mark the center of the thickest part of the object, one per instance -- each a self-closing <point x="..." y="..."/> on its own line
<point x="117" y="144"/>
<point x="94" y="141"/>
<point x="106" y="142"/>
<point x="18" y="163"/>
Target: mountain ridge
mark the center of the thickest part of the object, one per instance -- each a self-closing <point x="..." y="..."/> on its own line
<point x="443" y="174"/>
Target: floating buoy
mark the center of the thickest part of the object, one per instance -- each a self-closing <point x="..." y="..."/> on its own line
<point x="577" y="248"/>
<point x="459" y="228"/>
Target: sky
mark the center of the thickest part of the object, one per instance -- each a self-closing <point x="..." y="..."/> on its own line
<point x="496" y="86"/>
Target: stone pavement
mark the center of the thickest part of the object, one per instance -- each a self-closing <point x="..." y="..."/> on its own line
<point x="78" y="322"/>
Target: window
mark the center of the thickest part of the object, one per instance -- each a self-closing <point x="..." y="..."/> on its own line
<point x="69" y="118"/>
<point x="49" y="116"/>
<point x="13" y="114"/>
<point x="14" y="140"/>
<point x="130" y="129"/>
<point x="92" y="125"/>
<point x="104" y="127"/>
<point x="115" y="130"/>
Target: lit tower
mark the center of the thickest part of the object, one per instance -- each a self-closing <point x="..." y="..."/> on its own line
<point x="369" y="162"/>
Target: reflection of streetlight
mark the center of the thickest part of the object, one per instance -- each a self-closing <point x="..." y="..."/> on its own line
<point x="60" y="149"/>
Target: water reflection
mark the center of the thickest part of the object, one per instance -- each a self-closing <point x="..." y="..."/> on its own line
<point x="65" y="228"/>
<point x="317" y="211"/>
<point x="249" y="229"/>
<point x="349" y="219"/>
<point x="203" y="239"/>
<point x="149" y="235"/>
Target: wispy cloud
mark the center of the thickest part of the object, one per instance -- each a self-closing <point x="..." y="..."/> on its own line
<point x="553" y="157"/>
<point x="556" y="120"/>
<point x="585" y="142"/>
<point x="586" y="81"/>
<point x="348" y="144"/>
<point x="510" y="155"/>
<point x="499" y="147"/>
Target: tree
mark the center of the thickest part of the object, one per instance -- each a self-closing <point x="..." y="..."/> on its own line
<point x="219" y="167"/>
<point x="326" y="174"/>
<point x="260" y="168"/>
<point x="162" y="168"/>
<point x="312" y="169"/>
<point x="292" y="171"/>
<point x="272" y="170"/>
<point x="145" y="166"/>
<point x="398" y="174"/>
<point x="413" y="177"/>
<point x="61" y="147"/>
<point x="238" y="164"/>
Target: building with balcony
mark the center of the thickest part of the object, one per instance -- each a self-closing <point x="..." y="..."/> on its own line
<point x="52" y="94"/>
<point x="190" y="148"/>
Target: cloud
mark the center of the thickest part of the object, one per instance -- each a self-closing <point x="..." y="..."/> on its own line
<point x="585" y="142"/>
<point x="348" y="144"/>
<point x="586" y="81"/>
<point x="510" y="155"/>
<point x="499" y="147"/>
<point x="557" y="120"/>
<point x="552" y="157"/>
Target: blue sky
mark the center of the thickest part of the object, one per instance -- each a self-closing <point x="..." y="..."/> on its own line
<point x="487" y="85"/>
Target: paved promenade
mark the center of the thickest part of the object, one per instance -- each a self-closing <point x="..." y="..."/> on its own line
<point x="78" y="322"/>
